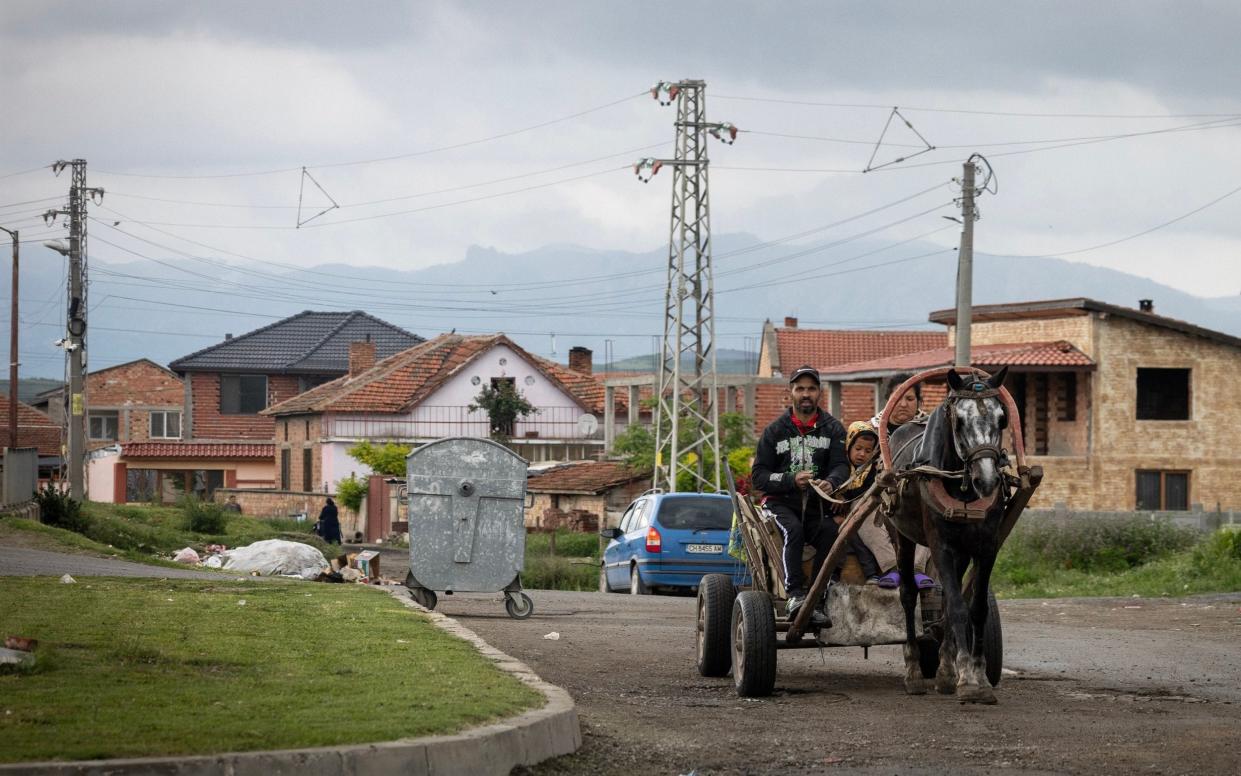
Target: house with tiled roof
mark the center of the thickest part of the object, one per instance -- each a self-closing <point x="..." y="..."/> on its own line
<point x="583" y="495"/>
<point x="132" y="402"/>
<point x="425" y="393"/>
<point x="34" y="429"/>
<point x="1124" y="409"/>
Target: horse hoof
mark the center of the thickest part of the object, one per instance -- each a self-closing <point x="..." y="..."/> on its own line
<point x="945" y="685"/>
<point x="915" y="687"/>
<point x="976" y="694"/>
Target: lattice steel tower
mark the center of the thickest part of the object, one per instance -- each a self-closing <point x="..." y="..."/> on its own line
<point x="687" y="437"/>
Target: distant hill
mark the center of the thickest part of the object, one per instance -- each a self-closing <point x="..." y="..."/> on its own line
<point x="28" y="388"/>
<point x="559" y="296"/>
<point x="726" y="362"/>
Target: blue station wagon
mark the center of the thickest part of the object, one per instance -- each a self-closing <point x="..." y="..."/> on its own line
<point x="668" y="540"/>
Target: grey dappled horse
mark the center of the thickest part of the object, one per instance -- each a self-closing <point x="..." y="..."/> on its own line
<point x="962" y="435"/>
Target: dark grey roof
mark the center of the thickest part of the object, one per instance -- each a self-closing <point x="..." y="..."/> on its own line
<point x="307" y="343"/>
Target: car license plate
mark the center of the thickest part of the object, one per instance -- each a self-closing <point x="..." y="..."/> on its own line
<point x="712" y="549"/>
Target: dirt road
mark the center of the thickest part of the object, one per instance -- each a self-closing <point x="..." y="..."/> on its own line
<point x="1101" y="686"/>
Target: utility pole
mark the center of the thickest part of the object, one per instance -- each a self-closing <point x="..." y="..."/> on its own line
<point x="14" y="236"/>
<point x="965" y="267"/>
<point x="687" y="412"/>
<point x="76" y="320"/>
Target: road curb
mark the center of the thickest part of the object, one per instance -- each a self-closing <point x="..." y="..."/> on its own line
<point x="528" y="738"/>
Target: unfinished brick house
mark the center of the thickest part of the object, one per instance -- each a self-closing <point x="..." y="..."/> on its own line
<point x="425" y="393"/>
<point x="138" y="401"/>
<point x="1124" y="409"/>
<point x="583" y="496"/>
<point x="784" y="348"/>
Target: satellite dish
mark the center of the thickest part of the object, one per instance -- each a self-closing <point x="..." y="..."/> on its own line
<point x="587" y="425"/>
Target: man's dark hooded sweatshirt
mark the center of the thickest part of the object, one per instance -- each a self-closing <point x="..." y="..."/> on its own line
<point x="786" y="448"/>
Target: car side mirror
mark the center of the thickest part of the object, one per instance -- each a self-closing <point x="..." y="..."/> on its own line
<point x="610" y="533"/>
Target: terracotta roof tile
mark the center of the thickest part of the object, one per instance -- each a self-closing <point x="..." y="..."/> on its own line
<point x="210" y="450"/>
<point x="1029" y="354"/>
<point x="826" y="348"/>
<point x="587" y="477"/>
<point x="34" y="429"/>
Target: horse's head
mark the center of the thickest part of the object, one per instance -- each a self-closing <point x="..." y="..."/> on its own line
<point x="977" y="417"/>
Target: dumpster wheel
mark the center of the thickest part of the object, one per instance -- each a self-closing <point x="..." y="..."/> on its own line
<point x="518" y="605"/>
<point x="424" y="597"/>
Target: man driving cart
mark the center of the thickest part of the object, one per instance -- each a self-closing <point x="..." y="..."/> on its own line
<point x="803" y="445"/>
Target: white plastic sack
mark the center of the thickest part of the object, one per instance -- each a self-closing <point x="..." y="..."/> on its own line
<point x="276" y="556"/>
<point x="186" y="555"/>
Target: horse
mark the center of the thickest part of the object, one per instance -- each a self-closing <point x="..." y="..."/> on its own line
<point x="951" y="498"/>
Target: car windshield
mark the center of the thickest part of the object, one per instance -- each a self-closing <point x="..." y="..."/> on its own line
<point x="696" y="513"/>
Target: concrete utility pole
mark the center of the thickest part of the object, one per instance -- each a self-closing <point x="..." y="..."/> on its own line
<point x="76" y="321"/>
<point x="14" y="236"/>
<point x="688" y="401"/>
<point x="965" y="266"/>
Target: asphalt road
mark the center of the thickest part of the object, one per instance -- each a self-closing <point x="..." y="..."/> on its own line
<point x="25" y="562"/>
<point x="1100" y="686"/>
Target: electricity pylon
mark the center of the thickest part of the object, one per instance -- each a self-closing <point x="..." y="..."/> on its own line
<point x="687" y="438"/>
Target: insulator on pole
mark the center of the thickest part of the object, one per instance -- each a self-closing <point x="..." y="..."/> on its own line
<point x="725" y="133"/>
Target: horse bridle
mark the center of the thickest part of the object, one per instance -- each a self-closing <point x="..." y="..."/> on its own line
<point x="978" y="391"/>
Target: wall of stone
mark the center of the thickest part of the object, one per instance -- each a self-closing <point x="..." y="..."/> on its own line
<point x="285" y="503"/>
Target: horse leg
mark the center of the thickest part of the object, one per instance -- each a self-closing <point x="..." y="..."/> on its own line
<point x="978" y="622"/>
<point x="946" y="674"/>
<point x="957" y="615"/>
<point x="914" y="683"/>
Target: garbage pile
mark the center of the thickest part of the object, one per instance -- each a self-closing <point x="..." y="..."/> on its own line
<point x="279" y="557"/>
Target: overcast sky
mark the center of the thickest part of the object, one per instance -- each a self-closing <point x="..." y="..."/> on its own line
<point x="163" y="99"/>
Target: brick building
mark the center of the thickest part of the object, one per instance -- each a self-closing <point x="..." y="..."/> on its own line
<point x="34" y="429"/>
<point x="1124" y="408"/>
<point x="138" y="401"/>
<point x="584" y="494"/>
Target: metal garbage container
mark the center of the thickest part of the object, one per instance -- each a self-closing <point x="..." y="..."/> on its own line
<point x="467" y="529"/>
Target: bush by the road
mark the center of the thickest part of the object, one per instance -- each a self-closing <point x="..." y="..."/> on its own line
<point x="57" y="509"/>
<point x="204" y="517"/>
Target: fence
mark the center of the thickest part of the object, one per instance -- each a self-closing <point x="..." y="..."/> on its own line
<point x="19" y="474"/>
<point x="435" y="422"/>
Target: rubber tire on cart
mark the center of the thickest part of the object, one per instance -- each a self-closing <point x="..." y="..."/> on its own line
<point x="754" y="644"/>
<point x="636" y="585"/>
<point x="716" y="596"/>
<point x="424" y="597"/>
<point x="518" y="605"/>
<point x="604" y="585"/>
<point x="993" y="641"/>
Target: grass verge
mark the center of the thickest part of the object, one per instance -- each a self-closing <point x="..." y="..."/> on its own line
<point x="131" y="668"/>
<point x="573" y="566"/>
<point x="1123" y="559"/>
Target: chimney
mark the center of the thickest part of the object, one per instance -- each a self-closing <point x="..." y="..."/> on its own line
<point x="228" y="336"/>
<point x="361" y="357"/>
<point x="790" y="322"/>
<point x="1146" y="305"/>
<point x="580" y="359"/>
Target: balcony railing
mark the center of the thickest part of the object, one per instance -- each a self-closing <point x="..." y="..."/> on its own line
<point x="434" y="422"/>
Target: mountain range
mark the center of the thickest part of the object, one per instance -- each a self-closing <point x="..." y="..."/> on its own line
<point x="557" y="296"/>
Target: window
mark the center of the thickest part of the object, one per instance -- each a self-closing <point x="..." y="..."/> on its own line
<point x="165" y="425"/>
<point x="626" y="523"/>
<point x="1068" y="397"/>
<point x="242" y="394"/>
<point x="308" y="469"/>
<point x="1163" y="394"/>
<point x="284" y="469"/>
<point x="1160" y="490"/>
<point x="104" y="424"/>
<point x="696" y="513"/>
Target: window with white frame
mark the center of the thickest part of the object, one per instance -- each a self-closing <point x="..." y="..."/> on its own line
<point x="103" y="425"/>
<point x="166" y="424"/>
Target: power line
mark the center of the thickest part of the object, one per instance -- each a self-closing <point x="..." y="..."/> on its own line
<point x="395" y="157"/>
<point x="1015" y="114"/>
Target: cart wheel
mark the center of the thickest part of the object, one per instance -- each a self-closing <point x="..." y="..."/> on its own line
<point x="604" y="587"/>
<point x="716" y="595"/>
<point x="425" y="598"/>
<point x="993" y="641"/>
<point x="754" y="644"/>
<point x="636" y="585"/>
<point x="928" y="657"/>
<point x="518" y="605"/>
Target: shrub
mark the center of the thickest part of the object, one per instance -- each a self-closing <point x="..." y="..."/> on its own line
<point x="1220" y="548"/>
<point x="204" y="517"/>
<point x="1102" y="545"/>
<point x="57" y="509"/>
<point x="552" y="572"/>
<point x="349" y="492"/>
<point x="569" y="544"/>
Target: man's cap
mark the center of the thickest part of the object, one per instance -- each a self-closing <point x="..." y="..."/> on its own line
<point x="805" y="371"/>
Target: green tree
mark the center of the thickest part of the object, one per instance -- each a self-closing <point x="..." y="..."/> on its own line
<point x="349" y="492"/>
<point x="388" y="458"/>
<point x="636" y="446"/>
<point x="503" y="404"/>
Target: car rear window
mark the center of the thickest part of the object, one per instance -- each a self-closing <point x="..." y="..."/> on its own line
<point x="695" y="513"/>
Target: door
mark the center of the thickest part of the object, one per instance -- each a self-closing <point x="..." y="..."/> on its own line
<point x="616" y="556"/>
